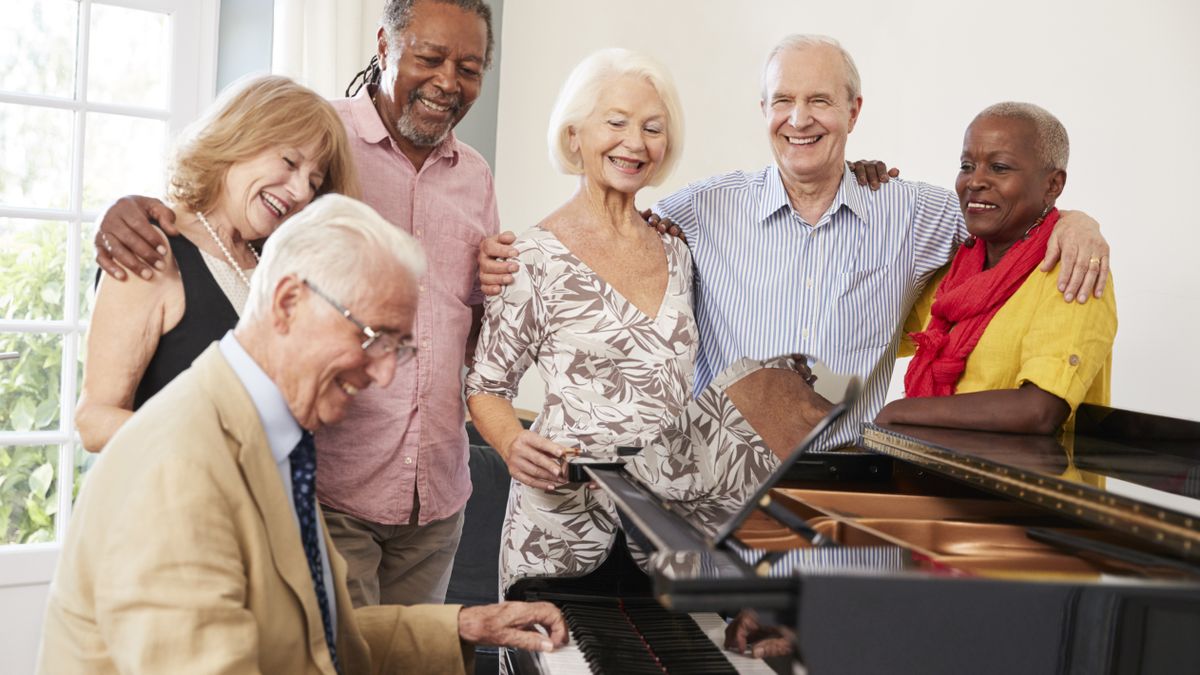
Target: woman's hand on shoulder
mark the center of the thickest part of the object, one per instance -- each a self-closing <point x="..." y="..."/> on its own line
<point x="536" y="461"/>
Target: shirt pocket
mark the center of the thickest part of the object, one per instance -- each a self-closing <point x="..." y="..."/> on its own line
<point x="865" y="315"/>
<point x="453" y="266"/>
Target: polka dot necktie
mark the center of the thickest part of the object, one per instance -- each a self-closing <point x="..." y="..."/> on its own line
<point x="304" y="480"/>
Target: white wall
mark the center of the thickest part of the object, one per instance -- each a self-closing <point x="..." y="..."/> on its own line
<point x="245" y="36"/>
<point x="24" y="584"/>
<point x="1120" y="75"/>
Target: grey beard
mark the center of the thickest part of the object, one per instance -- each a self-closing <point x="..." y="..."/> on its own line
<point x="419" y="138"/>
<point x="423" y="139"/>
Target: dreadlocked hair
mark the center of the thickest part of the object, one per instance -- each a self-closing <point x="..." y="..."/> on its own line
<point x="368" y="75"/>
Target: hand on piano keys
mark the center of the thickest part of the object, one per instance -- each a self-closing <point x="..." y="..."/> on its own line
<point x="624" y="637"/>
<point x="535" y="626"/>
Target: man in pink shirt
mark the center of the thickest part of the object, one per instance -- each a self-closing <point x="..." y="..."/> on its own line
<point x="392" y="475"/>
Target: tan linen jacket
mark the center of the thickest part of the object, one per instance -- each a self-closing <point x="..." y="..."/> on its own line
<point x="183" y="556"/>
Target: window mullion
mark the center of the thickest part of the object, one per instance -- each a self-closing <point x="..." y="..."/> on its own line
<point x="27" y="326"/>
<point x="43" y="214"/>
<point x="70" y="343"/>
<point x="70" y="374"/>
<point x="35" y="437"/>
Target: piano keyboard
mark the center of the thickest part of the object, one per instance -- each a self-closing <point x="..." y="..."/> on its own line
<point x="611" y="636"/>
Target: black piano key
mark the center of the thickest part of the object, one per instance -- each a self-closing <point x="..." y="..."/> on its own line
<point x="636" y="636"/>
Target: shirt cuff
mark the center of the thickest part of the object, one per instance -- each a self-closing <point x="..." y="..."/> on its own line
<point x="1058" y="375"/>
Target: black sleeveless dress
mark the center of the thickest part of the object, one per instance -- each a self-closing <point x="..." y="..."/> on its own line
<point x="207" y="315"/>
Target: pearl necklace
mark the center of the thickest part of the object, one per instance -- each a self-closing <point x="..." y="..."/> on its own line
<point x="228" y="256"/>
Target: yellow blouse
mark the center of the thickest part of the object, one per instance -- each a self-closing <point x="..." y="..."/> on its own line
<point x="1064" y="348"/>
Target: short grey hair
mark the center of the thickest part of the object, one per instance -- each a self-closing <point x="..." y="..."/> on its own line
<point x="397" y="14"/>
<point x="801" y="41"/>
<point x="1052" y="145"/>
<point x="581" y="93"/>
<point x="338" y="243"/>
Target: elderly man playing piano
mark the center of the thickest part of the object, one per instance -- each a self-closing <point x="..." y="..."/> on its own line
<point x="198" y="545"/>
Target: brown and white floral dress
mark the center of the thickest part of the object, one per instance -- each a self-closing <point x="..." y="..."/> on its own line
<point x="614" y="377"/>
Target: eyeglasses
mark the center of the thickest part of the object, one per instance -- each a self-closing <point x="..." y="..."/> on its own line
<point x="377" y="344"/>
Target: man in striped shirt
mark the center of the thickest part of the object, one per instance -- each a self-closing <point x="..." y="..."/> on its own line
<point x="800" y="258"/>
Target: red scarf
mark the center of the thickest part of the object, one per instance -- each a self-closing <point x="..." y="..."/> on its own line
<point x="967" y="299"/>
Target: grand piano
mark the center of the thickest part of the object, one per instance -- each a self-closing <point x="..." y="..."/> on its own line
<point x="935" y="550"/>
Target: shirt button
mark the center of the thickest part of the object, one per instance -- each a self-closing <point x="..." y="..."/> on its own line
<point x="1074" y="360"/>
<point x="408" y="460"/>
<point x="804" y="333"/>
<point x="809" y="283"/>
<point x="419" y="232"/>
<point x="421" y="287"/>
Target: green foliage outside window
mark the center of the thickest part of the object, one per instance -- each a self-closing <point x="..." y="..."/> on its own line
<point x="28" y="497"/>
<point x="32" y="264"/>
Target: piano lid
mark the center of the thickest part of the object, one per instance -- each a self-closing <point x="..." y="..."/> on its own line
<point x="1122" y="470"/>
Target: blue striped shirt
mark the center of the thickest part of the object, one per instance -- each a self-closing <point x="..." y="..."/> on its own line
<point x="768" y="283"/>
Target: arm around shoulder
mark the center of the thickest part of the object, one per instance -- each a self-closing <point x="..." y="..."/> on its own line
<point x="1083" y="255"/>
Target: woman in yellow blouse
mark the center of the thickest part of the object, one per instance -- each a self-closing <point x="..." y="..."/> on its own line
<point x="996" y="347"/>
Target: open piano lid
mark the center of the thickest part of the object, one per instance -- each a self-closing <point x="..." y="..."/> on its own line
<point x="850" y="620"/>
<point x="1122" y="470"/>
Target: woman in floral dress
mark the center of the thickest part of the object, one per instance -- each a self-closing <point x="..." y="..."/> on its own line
<point x="602" y="308"/>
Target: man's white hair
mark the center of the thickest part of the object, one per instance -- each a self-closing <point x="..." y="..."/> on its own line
<point x="800" y="41"/>
<point x="339" y="244"/>
<point x="1052" y="145"/>
<point x="581" y="93"/>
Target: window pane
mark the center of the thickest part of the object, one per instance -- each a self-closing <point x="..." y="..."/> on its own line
<point x="30" y="384"/>
<point x="37" y="47"/>
<point x="123" y="155"/>
<point x="28" y="494"/>
<point x="33" y="260"/>
<point x="35" y="164"/>
<point x="130" y="57"/>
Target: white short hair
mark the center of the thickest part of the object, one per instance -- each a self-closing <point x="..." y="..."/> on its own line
<point x="1052" y="144"/>
<point x="341" y="245"/>
<point x="581" y="92"/>
<point x="800" y="41"/>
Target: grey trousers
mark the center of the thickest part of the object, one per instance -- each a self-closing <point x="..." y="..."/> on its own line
<point x="395" y="564"/>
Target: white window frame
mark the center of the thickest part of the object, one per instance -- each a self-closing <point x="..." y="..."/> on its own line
<point x="193" y="26"/>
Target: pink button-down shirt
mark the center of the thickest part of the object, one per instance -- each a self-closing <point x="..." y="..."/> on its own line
<point x="410" y="435"/>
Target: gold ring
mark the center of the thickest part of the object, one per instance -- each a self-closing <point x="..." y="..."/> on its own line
<point x="1094" y="262"/>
